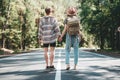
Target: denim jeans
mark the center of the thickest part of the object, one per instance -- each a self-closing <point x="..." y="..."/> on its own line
<point x="72" y="41"/>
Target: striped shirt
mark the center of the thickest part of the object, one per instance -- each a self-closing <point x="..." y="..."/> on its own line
<point x="48" y="29"/>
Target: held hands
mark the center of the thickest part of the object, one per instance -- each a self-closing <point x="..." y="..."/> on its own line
<point x="60" y="38"/>
<point x="40" y="41"/>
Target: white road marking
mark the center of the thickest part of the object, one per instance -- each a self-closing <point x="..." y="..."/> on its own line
<point x="58" y="72"/>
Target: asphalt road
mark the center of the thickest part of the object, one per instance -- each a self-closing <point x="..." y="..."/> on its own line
<point x="31" y="66"/>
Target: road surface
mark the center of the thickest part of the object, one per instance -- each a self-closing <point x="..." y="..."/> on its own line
<point x="31" y="66"/>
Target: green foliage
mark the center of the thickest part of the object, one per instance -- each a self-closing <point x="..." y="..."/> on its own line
<point x="100" y="18"/>
<point x="19" y="16"/>
<point x="1" y="52"/>
<point x="18" y="21"/>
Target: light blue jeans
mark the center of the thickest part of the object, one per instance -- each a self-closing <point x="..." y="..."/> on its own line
<point x="72" y="41"/>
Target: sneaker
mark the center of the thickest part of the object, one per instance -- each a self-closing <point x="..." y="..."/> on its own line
<point x="52" y="67"/>
<point x="47" y="67"/>
<point x="68" y="68"/>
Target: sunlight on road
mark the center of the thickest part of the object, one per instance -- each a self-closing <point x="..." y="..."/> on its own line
<point x="58" y="72"/>
<point x="31" y="66"/>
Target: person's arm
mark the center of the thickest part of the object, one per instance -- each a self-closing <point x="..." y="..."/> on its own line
<point x="40" y="32"/>
<point x="65" y="28"/>
<point x="64" y="31"/>
<point x="81" y="36"/>
<point x="57" y="29"/>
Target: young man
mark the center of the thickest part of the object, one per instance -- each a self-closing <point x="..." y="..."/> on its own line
<point x="48" y="33"/>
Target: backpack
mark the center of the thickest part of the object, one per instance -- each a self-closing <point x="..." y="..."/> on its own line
<point x="73" y="25"/>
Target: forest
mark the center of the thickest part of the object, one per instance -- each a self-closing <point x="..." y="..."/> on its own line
<point x="19" y="21"/>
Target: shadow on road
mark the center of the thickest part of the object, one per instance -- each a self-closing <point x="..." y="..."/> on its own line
<point x="31" y="66"/>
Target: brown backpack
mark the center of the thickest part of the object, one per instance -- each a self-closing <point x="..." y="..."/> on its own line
<point x="73" y="25"/>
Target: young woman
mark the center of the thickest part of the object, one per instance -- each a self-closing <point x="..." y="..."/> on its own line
<point x="71" y="40"/>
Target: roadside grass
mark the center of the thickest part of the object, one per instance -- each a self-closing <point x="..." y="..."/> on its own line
<point x="1" y="52"/>
<point x="107" y="52"/>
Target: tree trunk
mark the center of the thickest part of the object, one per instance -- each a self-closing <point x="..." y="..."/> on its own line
<point x="118" y="41"/>
<point x="101" y="38"/>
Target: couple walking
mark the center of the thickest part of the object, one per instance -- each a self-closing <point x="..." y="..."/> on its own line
<point x="49" y="31"/>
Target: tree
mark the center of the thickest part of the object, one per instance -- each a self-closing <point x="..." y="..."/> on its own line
<point x="100" y="18"/>
<point x="4" y="17"/>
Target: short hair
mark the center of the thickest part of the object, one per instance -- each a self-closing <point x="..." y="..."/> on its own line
<point x="47" y="10"/>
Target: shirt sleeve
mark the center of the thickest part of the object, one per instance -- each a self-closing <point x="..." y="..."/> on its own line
<point x="65" y="21"/>
<point x="40" y="30"/>
<point x="56" y="28"/>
